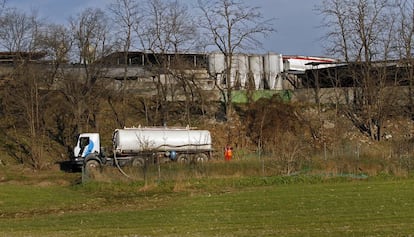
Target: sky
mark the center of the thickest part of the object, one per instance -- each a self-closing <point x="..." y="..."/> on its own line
<point x="297" y="24"/>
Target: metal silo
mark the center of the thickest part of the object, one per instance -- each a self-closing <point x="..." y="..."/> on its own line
<point x="273" y="66"/>
<point x="256" y="69"/>
<point x="239" y="70"/>
<point x="216" y="66"/>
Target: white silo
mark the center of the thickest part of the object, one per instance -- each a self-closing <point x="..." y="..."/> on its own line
<point x="273" y="66"/>
<point x="239" y="70"/>
<point x="216" y="66"/>
<point x="256" y="69"/>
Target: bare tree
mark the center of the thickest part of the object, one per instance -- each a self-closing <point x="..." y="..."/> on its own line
<point x="56" y="41"/>
<point x="125" y="13"/>
<point x="361" y="31"/>
<point x="91" y="35"/>
<point x="165" y="34"/>
<point x="232" y="26"/>
<point x="27" y="96"/>
<point x="80" y="85"/>
<point x="152" y="37"/>
<point x="182" y="36"/>
<point x="405" y="46"/>
<point x="23" y="97"/>
<point x="167" y="27"/>
<point x="18" y="30"/>
<point x="25" y="102"/>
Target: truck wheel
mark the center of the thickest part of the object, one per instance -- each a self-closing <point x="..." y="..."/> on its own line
<point x="200" y="158"/>
<point x="92" y="169"/>
<point x="183" y="158"/>
<point x="92" y="165"/>
<point x="138" y="162"/>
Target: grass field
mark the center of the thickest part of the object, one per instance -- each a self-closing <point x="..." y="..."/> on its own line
<point x="250" y="206"/>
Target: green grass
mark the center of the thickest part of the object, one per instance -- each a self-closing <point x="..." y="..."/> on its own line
<point x="273" y="206"/>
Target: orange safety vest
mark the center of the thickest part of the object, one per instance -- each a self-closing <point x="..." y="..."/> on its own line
<point x="228" y="153"/>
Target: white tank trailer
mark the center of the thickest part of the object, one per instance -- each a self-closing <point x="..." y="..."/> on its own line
<point x="140" y="146"/>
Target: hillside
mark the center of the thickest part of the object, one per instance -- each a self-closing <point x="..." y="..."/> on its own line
<point x="293" y="136"/>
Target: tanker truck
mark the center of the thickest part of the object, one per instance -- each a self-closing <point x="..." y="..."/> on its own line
<point x="142" y="146"/>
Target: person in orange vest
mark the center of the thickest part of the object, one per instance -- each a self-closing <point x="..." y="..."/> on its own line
<point x="228" y="153"/>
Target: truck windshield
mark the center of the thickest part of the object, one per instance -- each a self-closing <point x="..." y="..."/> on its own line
<point x="83" y="142"/>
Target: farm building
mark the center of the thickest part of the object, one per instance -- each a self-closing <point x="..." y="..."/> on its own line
<point x="270" y="71"/>
<point x="141" y="71"/>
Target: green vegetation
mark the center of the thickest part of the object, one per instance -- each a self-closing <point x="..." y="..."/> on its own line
<point x="229" y="206"/>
